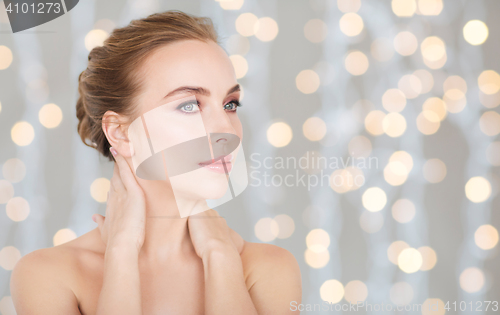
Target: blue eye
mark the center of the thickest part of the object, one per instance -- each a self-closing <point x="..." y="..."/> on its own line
<point x="189" y="107"/>
<point x="231" y="106"/>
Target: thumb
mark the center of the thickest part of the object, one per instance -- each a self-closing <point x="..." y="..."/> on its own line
<point x="99" y="219"/>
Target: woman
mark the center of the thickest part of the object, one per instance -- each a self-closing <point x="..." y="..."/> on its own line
<point x="144" y="258"/>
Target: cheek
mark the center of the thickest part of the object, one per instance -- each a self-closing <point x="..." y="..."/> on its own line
<point x="179" y="129"/>
<point x="184" y="132"/>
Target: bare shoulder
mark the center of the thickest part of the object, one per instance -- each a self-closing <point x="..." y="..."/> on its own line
<point x="57" y="261"/>
<point x="272" y="276"/>
<point x="267" y="256"/>
<point x="261" y="260"/>
<point x="48" y="275"/>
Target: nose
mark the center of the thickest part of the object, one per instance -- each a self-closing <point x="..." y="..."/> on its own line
<point x="223" y="144"/>
<point x="223" y="139"/>
<point x="217" y="122"/>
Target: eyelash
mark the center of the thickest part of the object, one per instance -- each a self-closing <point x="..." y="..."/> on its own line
<point x="236" y="102"/>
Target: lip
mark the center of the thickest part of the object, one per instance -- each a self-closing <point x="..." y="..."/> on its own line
<point x="217" y="165"/>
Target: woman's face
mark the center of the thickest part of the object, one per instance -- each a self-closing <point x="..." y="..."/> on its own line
<point x="188" y="104"/>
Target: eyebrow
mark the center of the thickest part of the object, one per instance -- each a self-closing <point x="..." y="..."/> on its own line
<point x="199" y="90"/>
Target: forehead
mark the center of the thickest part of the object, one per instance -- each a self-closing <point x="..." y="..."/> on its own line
<point x="186" y="63"/>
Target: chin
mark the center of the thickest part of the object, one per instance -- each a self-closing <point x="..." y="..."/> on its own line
<point x="200" y="184"/>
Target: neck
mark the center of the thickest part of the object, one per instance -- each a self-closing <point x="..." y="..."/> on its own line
<point x="166" y="233"/>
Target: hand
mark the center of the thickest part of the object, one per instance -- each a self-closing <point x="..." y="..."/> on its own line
<point x="209" y="231"/>
<point x="238" y="241"/>
<point x="124" y="224"/>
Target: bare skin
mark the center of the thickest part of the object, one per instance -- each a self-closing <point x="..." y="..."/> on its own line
<point x="138" y="261"/>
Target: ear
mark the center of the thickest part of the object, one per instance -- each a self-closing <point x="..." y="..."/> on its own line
<point x="115" y="128"/>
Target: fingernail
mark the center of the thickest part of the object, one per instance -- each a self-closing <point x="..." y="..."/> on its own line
<point x="93" y="218"/>
<point x="113" y="151"/>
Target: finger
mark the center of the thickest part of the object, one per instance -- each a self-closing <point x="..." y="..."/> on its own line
<point x="236" y="237"/>
<point x="210" y="213"/>
<point x="99" y="219"/>
<point x="126" y="175"/>
<point x="116" y="180"/>
<point x="207" y="214"/>
<point x="238" y="241"/>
